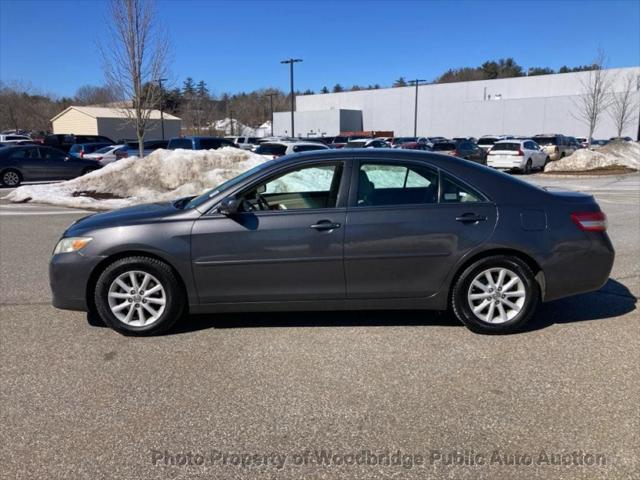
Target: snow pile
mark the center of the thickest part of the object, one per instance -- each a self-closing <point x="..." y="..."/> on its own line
<point x="613" y="155"/>
<point x="162" y="176"/>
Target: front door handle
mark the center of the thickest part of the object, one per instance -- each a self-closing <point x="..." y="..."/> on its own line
<point x="471" y="218"/>
<point x="325" y="225"/>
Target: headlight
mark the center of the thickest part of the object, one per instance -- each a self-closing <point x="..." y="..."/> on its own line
<point x="71" y="244"/>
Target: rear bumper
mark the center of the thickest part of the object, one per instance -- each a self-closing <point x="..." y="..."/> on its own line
<point x="505" y="162"/>
<point x="69" y="275"/>
<point x="579" y="270"/>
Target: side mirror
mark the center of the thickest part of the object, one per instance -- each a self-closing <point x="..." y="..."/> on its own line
<point x="229" y="206"/>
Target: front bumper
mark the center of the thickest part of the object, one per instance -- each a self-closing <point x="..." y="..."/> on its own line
<point x="69" y="274"/>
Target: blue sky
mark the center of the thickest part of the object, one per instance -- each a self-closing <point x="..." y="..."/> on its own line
<point x="237" y="45"/>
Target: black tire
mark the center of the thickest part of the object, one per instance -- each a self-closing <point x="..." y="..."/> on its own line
<point x="460" y="302"/>
<point x="527" y="167"/>
<point x="10" y="178"/>
<point x="174" y="296"/>
<point x="546" y="162"/>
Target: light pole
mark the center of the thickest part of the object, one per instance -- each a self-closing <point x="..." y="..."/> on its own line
<point x="291" y="61"/>
<point x="160" y="80"/>
<point x="271" y="95"/>
<point x="416" y="82"/>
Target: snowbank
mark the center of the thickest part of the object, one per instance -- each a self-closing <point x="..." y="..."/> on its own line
<point x="164" y="175"/>
<point x="616" y="154"/>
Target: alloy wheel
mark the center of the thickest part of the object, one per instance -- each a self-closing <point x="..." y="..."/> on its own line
<point x="137" y="298"/>
<point x="11" y="179"/>
<point x="496" y="295"/>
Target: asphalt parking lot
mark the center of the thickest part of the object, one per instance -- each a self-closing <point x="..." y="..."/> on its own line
<point x="320" y="395"/>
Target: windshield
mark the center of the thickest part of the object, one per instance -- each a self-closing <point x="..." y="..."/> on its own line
<point x="199" y="200"/>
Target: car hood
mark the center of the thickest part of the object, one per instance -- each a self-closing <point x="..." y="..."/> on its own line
<point x="126" y="216"/>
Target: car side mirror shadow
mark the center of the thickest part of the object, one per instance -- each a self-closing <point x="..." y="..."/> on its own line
<point x="229" y="206"/>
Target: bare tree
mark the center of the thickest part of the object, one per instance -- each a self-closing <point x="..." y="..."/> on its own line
<point x="595" y="97"/>
<point x="94" y="95"/>
<point x="135" y="56"/>
<point x="623" y="107"/>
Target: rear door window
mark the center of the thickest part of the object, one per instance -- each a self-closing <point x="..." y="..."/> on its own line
<point x="180" y="143"/>
<point x="381" y="184"/>
<point x="454" y="191"/>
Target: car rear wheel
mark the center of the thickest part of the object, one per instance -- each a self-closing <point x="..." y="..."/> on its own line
<point x="139" y="296"/>
<point x="497" y="294"/>
<point x="11" y="178"/>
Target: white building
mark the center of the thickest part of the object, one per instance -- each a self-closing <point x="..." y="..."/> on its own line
<point x="518" y="106"/>
<point x="113" y="123"/>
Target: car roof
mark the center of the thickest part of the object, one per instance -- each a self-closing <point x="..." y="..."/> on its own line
<point x="513" y="140"/>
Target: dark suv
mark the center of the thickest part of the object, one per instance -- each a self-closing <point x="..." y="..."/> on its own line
<point x="63" y="141"/>
<point x="199" y="143"/>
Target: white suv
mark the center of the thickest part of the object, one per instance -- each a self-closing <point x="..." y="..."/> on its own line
<point x="522" y="155"/>
<point x="245" y="143"/>
<point x="11" y="138"/>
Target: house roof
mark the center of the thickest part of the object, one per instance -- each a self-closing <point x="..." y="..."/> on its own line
<point x="102" y="112"/>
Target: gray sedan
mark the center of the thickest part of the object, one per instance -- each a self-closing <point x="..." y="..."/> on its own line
<point x="329" y="230"/>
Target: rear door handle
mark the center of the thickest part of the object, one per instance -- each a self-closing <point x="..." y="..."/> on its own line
<point x="471" y="218"/>
<point x="325" y="225"/>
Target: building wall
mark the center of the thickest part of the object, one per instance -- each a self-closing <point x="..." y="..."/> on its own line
<point x="121" y="128"/>
<point x="317" y="123"/>
<point x="519" y="106"/>
<point x="75" y="122"/>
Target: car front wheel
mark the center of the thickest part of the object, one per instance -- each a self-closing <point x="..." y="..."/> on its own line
<point x="139" y="296"/>
<point x="497" y="294"/>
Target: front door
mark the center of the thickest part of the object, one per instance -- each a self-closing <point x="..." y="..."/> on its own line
<point x="286" y="243"/>
<point x="406" y="228"/>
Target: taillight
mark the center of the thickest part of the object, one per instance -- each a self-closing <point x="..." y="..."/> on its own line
<point x="590" y="221"/>
<point x="520" y="153"/>
<point x="454" y="153"/>
<point x="81" y="153"/>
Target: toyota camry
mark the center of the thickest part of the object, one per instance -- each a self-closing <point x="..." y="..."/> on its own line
<point x="337" y="229"/>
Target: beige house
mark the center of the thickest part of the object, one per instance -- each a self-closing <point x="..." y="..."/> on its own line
<point x="113" y="123"/>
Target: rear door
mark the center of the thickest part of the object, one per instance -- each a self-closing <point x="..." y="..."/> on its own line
<point x="407" y="225"/>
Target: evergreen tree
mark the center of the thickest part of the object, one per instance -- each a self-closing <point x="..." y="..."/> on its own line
<point x="401" y="82"/>
<point x="338" y="88"/>
<point x="324" y="90"/>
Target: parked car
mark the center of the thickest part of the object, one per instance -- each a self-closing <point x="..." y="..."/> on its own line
<point x="278" y="149"/>
<point x="367" y="143"/>
<point x="326" y="230"/>
<point x="583" y="142"/>
<point x="487" y="141"/>
<point x="108" y="154"/>
<point x="398" y="142"/>
<point x="31" y="163"/>
<point x="131" y="149"/>
<point x="461" y="139"/>
<point x="65" y="141"/>
<point x="575" y="143"/>
<point x="448" y="148"/>
<point x="555" y="145"/>
<point x="80" y="149"/>
<point x="199" y="143"/>
<point x="245" y="143"/>
<point x="13" y="138"/>
<point x="470" y="151"/>
<point x="520" y="155"/>
<point x="595" y="144"/>
<point x="621" y="139"/>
